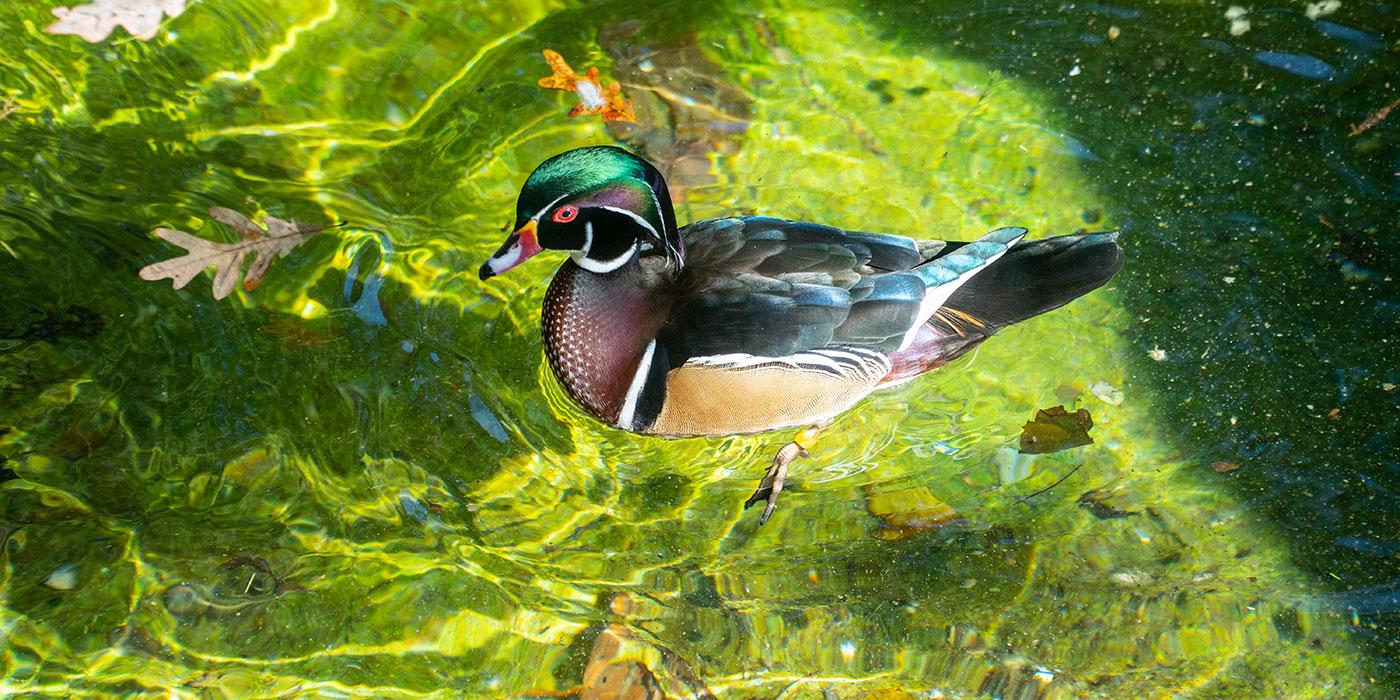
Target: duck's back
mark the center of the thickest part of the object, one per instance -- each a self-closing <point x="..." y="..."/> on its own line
<point x="775" y="323"/>
<point x="771" y="287"/>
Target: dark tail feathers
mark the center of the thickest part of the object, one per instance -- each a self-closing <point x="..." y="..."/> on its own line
<point x="1030" y="279"/>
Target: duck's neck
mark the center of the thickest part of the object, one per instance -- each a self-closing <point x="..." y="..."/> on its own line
<point x="597" y="329"/>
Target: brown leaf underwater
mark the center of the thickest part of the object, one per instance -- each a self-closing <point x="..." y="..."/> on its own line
<point x="908" y="512"/>
<point x="1055" y="429"/>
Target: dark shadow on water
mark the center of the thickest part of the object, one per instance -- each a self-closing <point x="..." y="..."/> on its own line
<point x="1261" y="241"/>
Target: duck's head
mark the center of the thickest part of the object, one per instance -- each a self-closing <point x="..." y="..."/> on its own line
<point x="604" y="205"/>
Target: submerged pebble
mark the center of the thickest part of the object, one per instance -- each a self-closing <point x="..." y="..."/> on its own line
<point x="1131" y="578"/>
<point x="486" y="419"/>
<point x="182" y="599"/>
<point x="1323" y="8"/>
<point x="1107" y="393"/>
<point x="1239" y="23"/>
<point x="1012" y="466"/>
<point x="64" y="578"/>
<point x="1298" y="64"/>
<point x="413" y="507"/>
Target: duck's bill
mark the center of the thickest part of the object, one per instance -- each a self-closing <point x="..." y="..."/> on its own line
<point x="519" y="247"/>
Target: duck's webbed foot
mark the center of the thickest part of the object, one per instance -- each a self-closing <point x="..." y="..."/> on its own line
<point x="772" y="483"/>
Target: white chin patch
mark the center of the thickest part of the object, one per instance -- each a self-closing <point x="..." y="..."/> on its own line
<point x="599" y="266"/>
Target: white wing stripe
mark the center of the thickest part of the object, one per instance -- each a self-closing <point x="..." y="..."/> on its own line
<point x="837" y="361"/>
<point x="935" y="297"/>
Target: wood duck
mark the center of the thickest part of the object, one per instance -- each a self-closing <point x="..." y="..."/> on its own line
<point x="748" y="324"/>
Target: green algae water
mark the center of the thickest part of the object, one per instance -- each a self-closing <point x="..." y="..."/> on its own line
<point x="360" y="480"/>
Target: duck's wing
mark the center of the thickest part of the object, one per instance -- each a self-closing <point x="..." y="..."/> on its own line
<point x="774" y="288"/>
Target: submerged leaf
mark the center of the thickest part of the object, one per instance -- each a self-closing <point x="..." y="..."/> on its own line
<point x="1056" y="429"/>
<point x="227" y="259"/>
<point x="1096" y="502"/>
<point x="616" y="671"/>
<point x="908" y="512"/>
<point x="96" y="20"/>
<point x="247" y="230"/>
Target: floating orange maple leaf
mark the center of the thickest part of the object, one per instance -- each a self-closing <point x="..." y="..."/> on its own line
<point x="593" y="97"/>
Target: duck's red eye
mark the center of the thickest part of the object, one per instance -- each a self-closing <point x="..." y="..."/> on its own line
<point x="565" y="214"/>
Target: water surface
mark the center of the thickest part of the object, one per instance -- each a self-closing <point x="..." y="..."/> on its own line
<point x="360" y="479"/>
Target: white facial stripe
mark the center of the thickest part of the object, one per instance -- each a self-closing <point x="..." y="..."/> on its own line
<point x="603" y="266"/>
<point x="634" y="392"/>
<point x="657" y="201"/>
<point x="546" y="208"/>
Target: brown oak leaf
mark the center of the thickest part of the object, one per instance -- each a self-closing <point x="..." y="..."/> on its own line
<point x="275" y="241"/>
